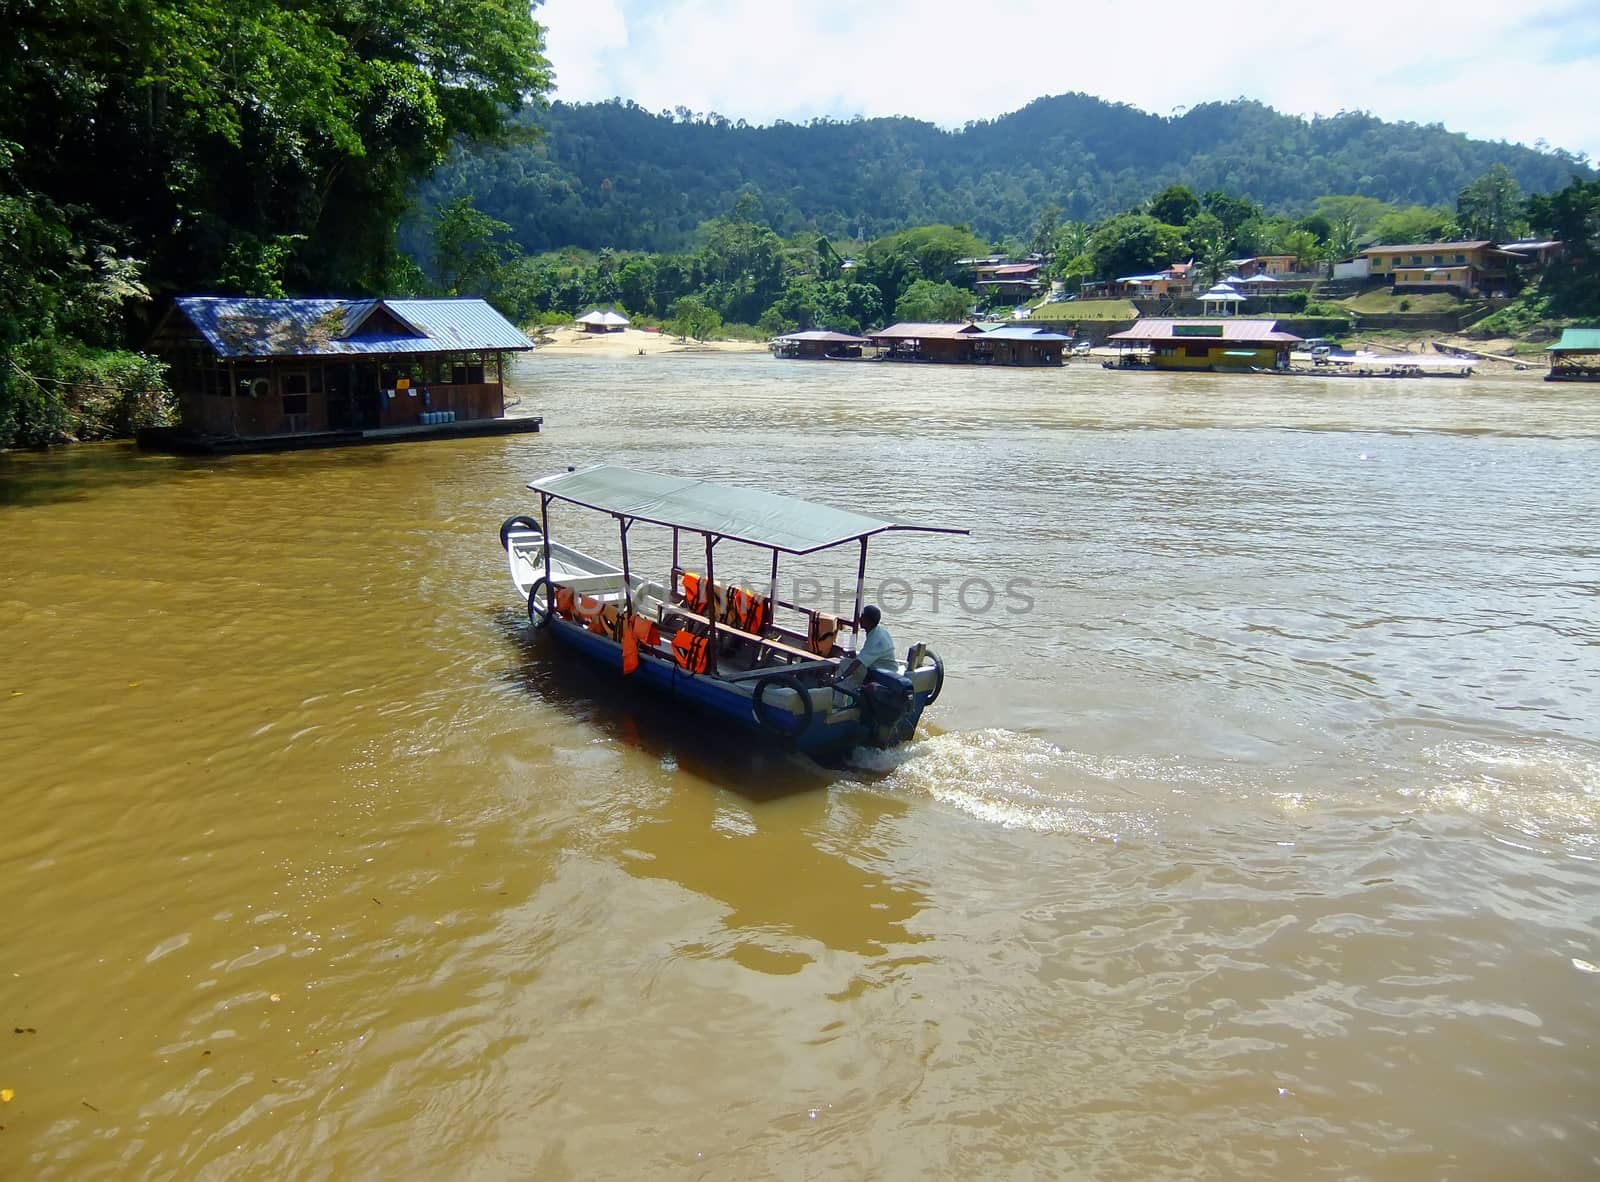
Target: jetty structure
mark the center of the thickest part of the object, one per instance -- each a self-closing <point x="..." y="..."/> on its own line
<point x="1576" y="356"/>
<point x="285" y="374"/>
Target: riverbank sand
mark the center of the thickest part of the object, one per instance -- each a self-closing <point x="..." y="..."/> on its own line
<point x="632" y="342"/>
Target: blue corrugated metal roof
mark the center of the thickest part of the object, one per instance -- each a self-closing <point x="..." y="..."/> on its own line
<point x="1018" y="332"/>
<point x="241" y="327"/>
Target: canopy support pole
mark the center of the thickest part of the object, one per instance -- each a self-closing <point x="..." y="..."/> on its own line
<point x="627" y="582"/>
<point x="711" y="608"/>
<point x="672" y="577"/>
<point x="772" y="591"/>
<point x="861" y="588"/>
<point x="544" y="530"/>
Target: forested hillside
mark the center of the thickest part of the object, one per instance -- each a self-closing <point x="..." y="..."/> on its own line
<point x="615" y="175"/>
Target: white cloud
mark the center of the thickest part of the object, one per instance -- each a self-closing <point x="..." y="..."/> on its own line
<point x="1492" y="70"/>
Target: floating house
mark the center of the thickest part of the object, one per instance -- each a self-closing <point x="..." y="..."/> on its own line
<point x="1221" y="346"/>
<point x="818" y="345"/>
<point x="970" y="344"/>
<point x="261" y="374"/>
<point x="1576" y="356"/>
<point x="602" y="320"/>
<point x="1019" y="344"/>
<point x="918" y="341"/>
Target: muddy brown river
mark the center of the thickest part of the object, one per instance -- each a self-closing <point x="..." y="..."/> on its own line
<point x="1259" y="844"/>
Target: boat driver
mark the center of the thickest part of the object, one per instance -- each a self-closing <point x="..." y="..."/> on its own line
<point x="876" y="652"/>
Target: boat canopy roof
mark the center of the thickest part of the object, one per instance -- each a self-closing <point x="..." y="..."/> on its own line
<point x="721" y="510"/>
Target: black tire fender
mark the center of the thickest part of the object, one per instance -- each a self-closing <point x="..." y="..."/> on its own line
<point x="540" y="617"/>
<point x="781" y="681"/>
<point x="511" y="523"/>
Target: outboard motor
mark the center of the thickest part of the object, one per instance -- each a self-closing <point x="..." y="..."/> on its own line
<point x="887" y="700"/>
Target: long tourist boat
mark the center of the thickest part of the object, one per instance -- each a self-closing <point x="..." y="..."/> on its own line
<point x="716" y="648"/>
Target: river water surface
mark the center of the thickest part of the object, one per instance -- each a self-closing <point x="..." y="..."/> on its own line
<point x="1255" y="838"/>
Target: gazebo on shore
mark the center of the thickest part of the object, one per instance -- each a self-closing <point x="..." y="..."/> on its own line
<point x="602" y="320"/>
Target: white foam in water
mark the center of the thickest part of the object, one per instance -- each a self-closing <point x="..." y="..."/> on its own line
<point x="1549" y="791"/>
<point x="1010" y="779"/>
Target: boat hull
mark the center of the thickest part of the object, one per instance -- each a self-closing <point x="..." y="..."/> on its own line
<point x="828" y="732"/>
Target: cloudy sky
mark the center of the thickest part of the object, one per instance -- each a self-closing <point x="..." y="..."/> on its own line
<point x="1518" y="70"/>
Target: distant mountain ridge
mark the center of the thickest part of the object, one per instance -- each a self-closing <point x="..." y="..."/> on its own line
<point x="614" y="174"/>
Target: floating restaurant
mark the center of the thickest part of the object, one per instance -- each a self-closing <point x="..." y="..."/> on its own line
<point x="280" y="374"/>
<point x="1221" y="346"/>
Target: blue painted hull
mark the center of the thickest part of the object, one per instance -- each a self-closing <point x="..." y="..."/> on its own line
<point x="826" y="735"/>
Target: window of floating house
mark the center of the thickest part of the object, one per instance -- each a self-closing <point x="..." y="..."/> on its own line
<point x="466" y="371"/>
<point x="1197" y="350"/>
<point x="1416" y="260"/>
<point x="296" y="386"/>
<point x="1461" y="258"/>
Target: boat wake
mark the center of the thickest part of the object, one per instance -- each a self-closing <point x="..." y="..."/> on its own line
<point x="1016" y="780"/>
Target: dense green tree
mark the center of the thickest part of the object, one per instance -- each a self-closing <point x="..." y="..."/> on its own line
<point x="690" y="317"/>
<point x="261" y="147"/>
<point x="1045" y="230"/>
<point x="1416" y="223"/>
<point x="1491" y="206"/>
<point x="1132" y="243"/>
<point x="930" y="302"/>
<point x="470" y="250"/>
<point x="1572" y="216"/>
<point x="1175" y="205"/>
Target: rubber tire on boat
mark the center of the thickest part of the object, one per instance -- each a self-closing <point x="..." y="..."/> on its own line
<point x="938" y="676"/>
<point x="540" y="619"/>
<point x="511" y="523"/>
<point x="781" y="681"/>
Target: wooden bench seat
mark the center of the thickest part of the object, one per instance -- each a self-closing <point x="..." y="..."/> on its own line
<point x="730" y="630"/>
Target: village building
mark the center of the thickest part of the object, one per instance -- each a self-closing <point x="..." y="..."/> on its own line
<point x="818" y="345"/>
<point x="1470" y="268"/>
<point x="1221" y="346"/>
<point x="1576" y="356"/>
<point x="602" y="320"/>
<point x="1537" y="252"/>
<point x="970" y="344"/>
<point x="310" y="372"/>
<point x="1017" y="281"/>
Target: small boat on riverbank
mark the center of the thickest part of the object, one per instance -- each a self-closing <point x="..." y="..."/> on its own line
<point x="720" y="649"/>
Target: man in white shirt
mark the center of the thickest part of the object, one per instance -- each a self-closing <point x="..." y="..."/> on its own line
<point x="876" y="652"/>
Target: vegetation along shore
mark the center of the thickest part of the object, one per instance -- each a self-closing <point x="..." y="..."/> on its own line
<point x="261" y="153"/>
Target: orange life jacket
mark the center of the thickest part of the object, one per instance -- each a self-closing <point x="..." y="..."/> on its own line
<point x="630" y="651"/>
<point x="645" y="631"/>
<point x="689" y="651"/>
<point x="824" y="628"/>
<point x="602" y="621"/>
<point x="565" y="601"/>
<point x="691" y="592"/>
